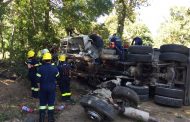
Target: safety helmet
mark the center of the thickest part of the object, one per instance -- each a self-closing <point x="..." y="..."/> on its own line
<point x="62" y="57"/>
<point x="45" y="51"/>
<point x="39" y="54"/>
<point x="47" y="56"/>
<point x="30" y="54"/>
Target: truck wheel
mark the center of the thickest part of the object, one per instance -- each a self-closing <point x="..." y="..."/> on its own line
<point x="125" y="96"/>
<point x="140" y="90"/>
<point x="174" y="48"/>
<point x="138" y="49"/>
<point x="97" y="109"/>
<point x="173" y="57"/>
<point x="173" y="102"/>
<point x="139" y="58"/>
<point x="168" y="92"/>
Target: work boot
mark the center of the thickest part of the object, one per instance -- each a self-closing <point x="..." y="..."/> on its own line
<point x="42" y="116"/>
<point x="51" y="116"/>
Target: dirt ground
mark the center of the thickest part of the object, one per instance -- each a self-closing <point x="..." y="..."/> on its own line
<point x="15" y="92"/>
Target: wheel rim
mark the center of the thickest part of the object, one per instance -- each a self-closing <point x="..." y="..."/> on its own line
<point x="93" y="115"/>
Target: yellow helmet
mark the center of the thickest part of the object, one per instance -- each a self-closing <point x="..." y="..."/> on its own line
<point x="30" y="54"/>
<point x="47" y="56"/>
<point x="62" y="57"/>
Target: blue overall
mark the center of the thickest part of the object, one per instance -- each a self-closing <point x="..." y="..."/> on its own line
<point x="64" y="80"/>
<point x="118" y="46"/>
<point x="137" y="41"/>
<point x="32" y="69"/>
<point x="47" y="75"/>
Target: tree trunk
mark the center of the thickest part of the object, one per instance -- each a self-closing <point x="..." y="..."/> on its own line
<point x="31" y="26"/>
<point x="2" y="42"/>
<point x="11" y="47"/>
<point x="121" y="18"/>
<point x="46" y="24"/>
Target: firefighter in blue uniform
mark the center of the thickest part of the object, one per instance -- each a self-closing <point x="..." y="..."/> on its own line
<point x="137" y="41"/>
<point x="64" y="80"/>
<point x="116" y="43"/>
<point x="32" y="64"/>
<point x="47" y="75"/>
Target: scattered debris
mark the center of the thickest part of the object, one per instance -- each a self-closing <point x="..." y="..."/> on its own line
<point x="27" y="109"/>
<point x="60" y="108"/>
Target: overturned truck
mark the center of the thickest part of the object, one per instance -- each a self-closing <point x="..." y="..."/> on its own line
<point x="158" y="73"/>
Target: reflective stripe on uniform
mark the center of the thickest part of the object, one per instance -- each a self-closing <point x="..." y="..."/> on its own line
<point x="53" y="64"/>
<point x="36" y="89"/>
<point x="57" y="74"/>
<point x="36" y="65"/>
<point x="50" y="107"/>
<point x="32" y="88"/>
<point x="66" y="94"/>
<point x="42" y="107"/>
<point x="39" y="75"/>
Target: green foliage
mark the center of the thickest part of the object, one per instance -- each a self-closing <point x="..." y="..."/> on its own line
<point x="176" y="28"/>
<point x="102" y="30"/>
<point x="138" y="29"/>
<point x="125" y="9"/>
<point x="78" y="14"/>
<point x="34" y="24"/>
<point x="131" y="30"/>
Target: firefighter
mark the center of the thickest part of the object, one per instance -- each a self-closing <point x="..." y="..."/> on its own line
<point x="47" y="75"/>
<point x="98" y="42"/>
<point x="64" y="80"/>
<point x="116" y="43"/>
<point x="137" y="41"/>
<point x="32" y="64"/>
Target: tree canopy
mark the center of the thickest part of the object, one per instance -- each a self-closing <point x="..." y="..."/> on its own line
<point x="176" y="28"/>
<point x="36" y="24"/>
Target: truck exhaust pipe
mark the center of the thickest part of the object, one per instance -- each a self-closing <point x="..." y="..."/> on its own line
<point x="138" y="115"/>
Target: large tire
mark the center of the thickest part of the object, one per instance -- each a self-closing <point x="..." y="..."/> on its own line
<point x="101" y="107"/>
<point x="140" y="90"/>
<point x="168" y="92"/>
<point x="173" y="57"/>
<point x="174" y="48"/>
<point x="126" y="94"/>
<point x="138" y="49"/>
<point x="139" y="58"/>
<point x="168" y="101"/>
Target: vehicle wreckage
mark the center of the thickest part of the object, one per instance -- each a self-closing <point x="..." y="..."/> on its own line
<point x="158" y="73"/>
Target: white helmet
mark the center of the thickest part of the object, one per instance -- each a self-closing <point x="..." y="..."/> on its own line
<point x="45" y="51"/>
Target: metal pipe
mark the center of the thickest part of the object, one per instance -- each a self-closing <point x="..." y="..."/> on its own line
<point x="138" y="114"/>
